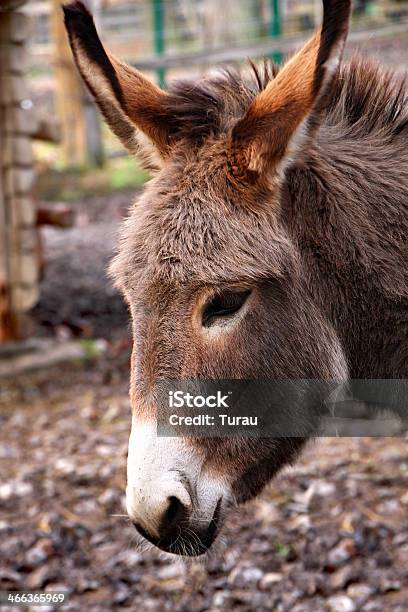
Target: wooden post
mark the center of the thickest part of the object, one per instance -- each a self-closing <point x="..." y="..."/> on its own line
<point x="5" y="310"/>
<point x="68" y="94"/>
<point x="317" y="12"/>
<point x="18" y="232"/>
<point x="80" y="123"/>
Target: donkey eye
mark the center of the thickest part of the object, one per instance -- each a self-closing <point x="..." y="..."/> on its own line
<point x="223" y="305"/>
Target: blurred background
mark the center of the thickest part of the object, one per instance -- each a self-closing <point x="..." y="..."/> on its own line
<point x="330" y="533"/>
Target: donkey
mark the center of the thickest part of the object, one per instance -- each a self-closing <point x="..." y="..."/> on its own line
<point x="269" y="244"/>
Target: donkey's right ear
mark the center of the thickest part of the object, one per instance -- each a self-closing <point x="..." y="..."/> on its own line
<point x="133" y="106"/>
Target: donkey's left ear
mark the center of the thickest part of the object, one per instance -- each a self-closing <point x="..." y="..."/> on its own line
<point x="286" y="111"/>
<point x="134" y="108"/>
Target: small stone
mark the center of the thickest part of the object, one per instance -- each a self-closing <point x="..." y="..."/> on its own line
<point x="387" y="585"/>
<point x="15" y="488"/>
<point x="401" y="539"/>
<point x="112" y="412"/>
<point x="87" y="474"/>
<point x="40" y="552"/>
<point x="39" y="577"/>
<point x="109" y="497"/>
<point x="324" y="488"/>
<point x="104" y="450"/>
<point x="252" y="574"/>
<point x="300" y="522"/>
<point x="243" y="576"/>
<point x="10" y="579"/>
<point x="230" y="560"/>
<point x="130" y="558"/>
<point x="341" y="553"/>
<point x="58" y="587"/>
<point x="97" y="598"/>
<point x="341" y="577"/>
<point x="8" y="452"/>
<point x="170" y="585"/>
<point x="86" y="507"/>
<point x="84" y="585"/>
<point x="268" y="579"/>
<point x="6" y="491"/>
<point x="174" y="570"/>
<point x="122" y="593"/>
<point x="305" y="607"/>
<point x="389" y="507"/>
<point x="359" y="593"/>
<point x="306" y="582"/>
<point x="290" y="598"/>
<point x="65" y="466"/>
<point x="373" y="606"/>
<point x="341" y="603"/>
<point x="251" y="598"/>
<point x="220" y="599"/>
<point x="106" y="471"/>
<point x="267" y="512"/>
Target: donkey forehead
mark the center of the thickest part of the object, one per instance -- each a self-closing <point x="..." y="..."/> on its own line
<point x="186" y="229"/>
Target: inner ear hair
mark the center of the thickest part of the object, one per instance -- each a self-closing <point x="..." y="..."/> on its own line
<point x="286" y="113"/>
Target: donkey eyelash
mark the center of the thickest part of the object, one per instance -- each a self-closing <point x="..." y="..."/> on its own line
<point x="223" y="304"/>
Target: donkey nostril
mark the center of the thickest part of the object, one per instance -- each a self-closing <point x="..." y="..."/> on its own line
<point x="173" y="508"/>
<point x="175" y="513"/>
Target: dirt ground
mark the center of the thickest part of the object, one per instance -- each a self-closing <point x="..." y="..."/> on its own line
<point x="330" y="534"/>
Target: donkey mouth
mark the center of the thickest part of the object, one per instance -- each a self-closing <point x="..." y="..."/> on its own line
<point x="187" y="539"/>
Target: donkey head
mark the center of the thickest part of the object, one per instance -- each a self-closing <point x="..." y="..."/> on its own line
<point x="214" y="281"/>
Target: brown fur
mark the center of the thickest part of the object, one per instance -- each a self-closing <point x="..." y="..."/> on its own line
<point x="327" y="253"/>
<point x="322" y="243"/>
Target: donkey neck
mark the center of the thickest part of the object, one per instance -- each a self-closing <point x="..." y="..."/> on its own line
<point x="344" y="208"/>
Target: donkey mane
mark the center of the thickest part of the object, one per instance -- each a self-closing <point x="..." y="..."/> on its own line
<point x="365" y="97"/>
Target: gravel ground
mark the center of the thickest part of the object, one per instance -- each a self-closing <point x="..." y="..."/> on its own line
<point x="329" y="534"/>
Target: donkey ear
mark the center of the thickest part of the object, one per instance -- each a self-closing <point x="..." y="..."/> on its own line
<point x="286" y="111"/>
<point x="131" y="104"/>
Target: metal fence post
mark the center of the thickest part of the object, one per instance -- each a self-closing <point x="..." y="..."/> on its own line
<point x="159" y="43"/>
<point x="275" y="28"/>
